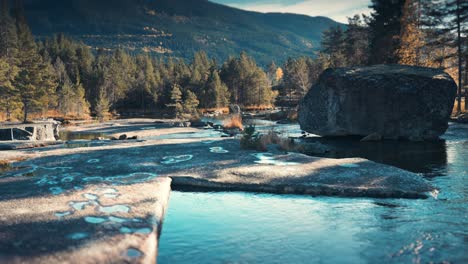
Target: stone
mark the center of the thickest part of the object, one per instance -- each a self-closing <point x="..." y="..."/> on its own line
<point x="314" y="148"/>
<point x="198" y="124"/>
<point x="395" y="101"/>
<point x="235" y="109"/>
<point x="41" y="227"/>
<point x="372" y="137"/>
<point x="123" y="137"/>
<point x="38" y="131"/>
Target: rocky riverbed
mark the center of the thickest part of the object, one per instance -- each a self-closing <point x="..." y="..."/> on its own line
<point x="58" y="189"/>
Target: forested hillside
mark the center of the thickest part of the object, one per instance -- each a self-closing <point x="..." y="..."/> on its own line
<point x="178" y="27"/>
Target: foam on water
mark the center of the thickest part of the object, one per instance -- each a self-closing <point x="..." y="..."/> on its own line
<point x="67" y="179"/>
<point x="93" y="161"/>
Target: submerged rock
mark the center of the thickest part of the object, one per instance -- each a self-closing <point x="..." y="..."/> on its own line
<point x="372" y="137"/>
<point x="394" y="101"/>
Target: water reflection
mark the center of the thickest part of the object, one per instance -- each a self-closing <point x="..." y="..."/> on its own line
<point x="419" y="157"/>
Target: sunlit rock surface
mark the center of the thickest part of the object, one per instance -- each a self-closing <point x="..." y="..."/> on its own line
<point x="393" y="101"/>
<point x="39" y="131"/>
<point x="54" y="215"/>
<point x="212" y="163"/>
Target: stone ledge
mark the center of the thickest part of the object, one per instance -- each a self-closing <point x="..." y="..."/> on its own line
<point x="92" y="223"/>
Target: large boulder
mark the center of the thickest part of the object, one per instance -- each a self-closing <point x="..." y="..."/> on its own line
<point x="395" y="101"/>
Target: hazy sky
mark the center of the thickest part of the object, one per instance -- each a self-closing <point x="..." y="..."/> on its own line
<point x="335" y="9"/>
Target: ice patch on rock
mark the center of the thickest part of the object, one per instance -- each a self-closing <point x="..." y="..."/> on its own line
<point x="269" y="159"/>
<point x="77" y="236"/>
<point x="118" y="208"/>
<point x="176" y="159"/>
<point x="218" y="150"/>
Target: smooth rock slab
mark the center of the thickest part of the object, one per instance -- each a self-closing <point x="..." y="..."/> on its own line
<point x="38" y="227"/>
<point x="300" y="174"/>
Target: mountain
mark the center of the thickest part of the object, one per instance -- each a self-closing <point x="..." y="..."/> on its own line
<point x="178" y="27"/>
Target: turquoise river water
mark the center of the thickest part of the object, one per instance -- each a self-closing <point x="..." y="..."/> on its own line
<point x="262" y="228"/>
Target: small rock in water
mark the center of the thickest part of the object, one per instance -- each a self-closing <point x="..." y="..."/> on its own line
<point x="123" y="137"/>
<point x="372" y="137"/>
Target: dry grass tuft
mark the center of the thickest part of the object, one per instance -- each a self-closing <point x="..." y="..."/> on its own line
<point x="455" y="106"/>
<point x="234" y="121"/>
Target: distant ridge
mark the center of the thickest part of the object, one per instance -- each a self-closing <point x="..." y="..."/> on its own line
<point x="179" y="27"/>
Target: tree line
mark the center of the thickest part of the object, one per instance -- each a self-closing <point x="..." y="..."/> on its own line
<point x="72" y="79"/>
<point x="430" y="33"/>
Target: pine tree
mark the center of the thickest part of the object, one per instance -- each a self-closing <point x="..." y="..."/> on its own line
<point x="190" y="105"/>
<point x="34" y="81"/>
<point x="356" y="41"/>
<point x="411" y="36"/>
<point x="333" y="45"/>
<point x="9" y="101"/>
<point x="81" y="105"/>
<point x="447" y="23"/>
<point x="217" y="94"/>
<point x="176" y="100"/>
<point x="385" y="28"/>
<point x="102" y="105"/>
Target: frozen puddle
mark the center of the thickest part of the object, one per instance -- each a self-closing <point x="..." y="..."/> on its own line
<point x="134" y="253"/>
<point x="62" y="214"/>
<point x="218" y="150"/>
<point x="128" y="230"/>
<point x="118" y="208"/>
<point x="77" y="236"/>
<point x="176" y="159"/>
<point x="95" y="219"/>
<point x="79" y="205"/>
<point x="269" y="159"/>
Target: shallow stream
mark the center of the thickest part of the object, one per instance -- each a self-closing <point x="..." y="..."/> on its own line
<point x="252" y="228"/>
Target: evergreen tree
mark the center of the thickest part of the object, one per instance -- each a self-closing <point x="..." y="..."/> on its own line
<point x="333" y="45"/>
<point x="411" y="36"/>
<point x="9" y="100"/>
<point x="385" y="28"/>
<point x="102" y="105"/>
<point x="176" y="100"/>
<point x="356" y="41"/>
<point x="217" y="95"/>
<point x="190" y="105"/>
<point x="34" y="81"/>
<point x="81" y="105"/>
<point x="447" y="22"/>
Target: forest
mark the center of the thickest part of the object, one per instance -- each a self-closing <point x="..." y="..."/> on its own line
<point x="62" y="77"/>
